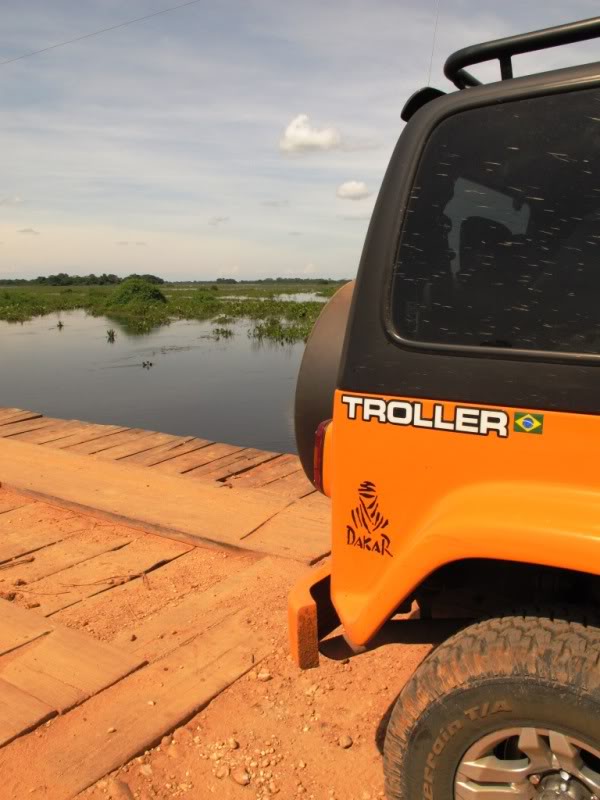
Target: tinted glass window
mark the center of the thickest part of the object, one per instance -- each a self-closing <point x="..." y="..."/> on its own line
<point x="501" y="240"/>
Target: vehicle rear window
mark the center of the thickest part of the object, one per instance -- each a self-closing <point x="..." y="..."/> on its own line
<point x="501" y="239"/>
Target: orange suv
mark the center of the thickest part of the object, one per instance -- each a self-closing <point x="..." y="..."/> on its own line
<point x="455" y="391"/>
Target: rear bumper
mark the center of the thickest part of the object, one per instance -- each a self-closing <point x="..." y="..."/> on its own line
<point x="311" y="616"/>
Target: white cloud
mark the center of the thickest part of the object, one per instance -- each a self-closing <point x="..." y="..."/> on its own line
<point x="353" y="190"/>
<point x="29" y="231"/>
<point x="300" y="136"/>
<point x="216" y="221"/>
<point x="15" y="200"/>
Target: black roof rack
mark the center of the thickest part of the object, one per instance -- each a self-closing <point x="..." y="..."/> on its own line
<point x="504" y="49"/>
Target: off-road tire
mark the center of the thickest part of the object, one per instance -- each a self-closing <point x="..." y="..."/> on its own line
<point x="501" y="673"/>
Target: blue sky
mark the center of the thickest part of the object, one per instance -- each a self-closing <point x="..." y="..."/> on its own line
<point x="234" y="139"/>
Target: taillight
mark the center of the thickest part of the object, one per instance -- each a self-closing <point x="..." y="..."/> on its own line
<point x="319" y="454"/>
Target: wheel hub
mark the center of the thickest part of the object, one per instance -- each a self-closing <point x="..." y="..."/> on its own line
<point x="562" y="786"/>
<point x="529" y="764"/>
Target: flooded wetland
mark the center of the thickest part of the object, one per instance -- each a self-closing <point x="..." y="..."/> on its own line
<point x="226" y="373"/>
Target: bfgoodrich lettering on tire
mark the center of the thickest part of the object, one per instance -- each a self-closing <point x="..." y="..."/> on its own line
<point x="509" y="707"/>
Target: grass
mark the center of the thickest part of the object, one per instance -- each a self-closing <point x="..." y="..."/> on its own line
<point x="141" y="306"/>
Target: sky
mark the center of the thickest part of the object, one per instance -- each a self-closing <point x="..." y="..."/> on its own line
<point x="238" y="138"/>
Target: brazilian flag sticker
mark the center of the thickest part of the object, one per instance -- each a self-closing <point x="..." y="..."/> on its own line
<point x="528" y="423"/>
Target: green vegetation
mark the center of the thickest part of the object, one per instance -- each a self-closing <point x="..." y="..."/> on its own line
<point x="139" y="305"/>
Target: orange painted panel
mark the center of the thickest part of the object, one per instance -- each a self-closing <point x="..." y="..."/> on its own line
<point x="416" y="484"/>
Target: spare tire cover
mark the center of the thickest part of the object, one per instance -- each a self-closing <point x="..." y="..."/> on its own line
<point x="318" y="373"/>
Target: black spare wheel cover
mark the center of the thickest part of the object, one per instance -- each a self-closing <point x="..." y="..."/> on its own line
<point x="318" y="373"/>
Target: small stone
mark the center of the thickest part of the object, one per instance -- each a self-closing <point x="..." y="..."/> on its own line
<point x="8" y="595"/>
<point x="151" y="703"/>
<point x="119" y="790"/>
<point x="241" y="776"/>
<point x="273" y="788"/>
<point x="32" y="604"/>
<point x="345" y="742"/>
<point x="146" y="770"/>
<point x="264" y="675"/>
<point x="232" y="743"/>
<point x="111" y="730"/>
<point x="166" y="740"/>
<point x="301" y="765"/>
<point x="133" y="637"/>
<point x="19" y="582"/>
<point x="222" y="772"/>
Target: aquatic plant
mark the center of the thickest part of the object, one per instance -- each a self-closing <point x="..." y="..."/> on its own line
<point x="110" y="334"/>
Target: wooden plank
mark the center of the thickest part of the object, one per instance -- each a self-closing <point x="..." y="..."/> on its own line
<point x="32" y="515"/>
<point x="205" y="455"/>
<point x="190" y="510"/>
<point x="21" y="540"/>
<point x="85" y="433"/>
<point x="18" y="416"/>
<point x="68" y="655"/>
<point x="10" y="502"/>
<point x="194" y="614"/>
<point x="197" y="571"/>
<point x="166" y="451"/>
<point x="19" y="712"/>
<point x="179" y="685"/>
<point x="266" y="473"/>
<point x="98" y="574"/>
<point x="58" y="430"/>
<point x="230" y="465"/>
<point x="141" y="445"/>
<point x="295" y="485"/>
<point x="52" y="691"/>
<point x="9" y="412"/>
<point x="104" y="442"/>
<point x="76" y="549"/>
<point x="301" y="532"/>
<point x="17" y="626"/>
<point x="14" y="428"/>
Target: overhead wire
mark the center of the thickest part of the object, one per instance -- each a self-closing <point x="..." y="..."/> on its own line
<point x="100" y="31"/>
<point x="435" y="28"/>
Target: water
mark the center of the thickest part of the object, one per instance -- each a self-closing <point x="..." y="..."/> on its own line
<point x="235" y="390"/>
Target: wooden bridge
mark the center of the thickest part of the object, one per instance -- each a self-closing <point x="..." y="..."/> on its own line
<point x="140" y="573"/>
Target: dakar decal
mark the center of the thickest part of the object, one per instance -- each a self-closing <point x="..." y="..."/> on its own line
<point x="368" y="523"/>
<point x="459" y="419"/>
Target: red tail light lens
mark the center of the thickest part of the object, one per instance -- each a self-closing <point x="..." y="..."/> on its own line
<point x="319" y="454"/>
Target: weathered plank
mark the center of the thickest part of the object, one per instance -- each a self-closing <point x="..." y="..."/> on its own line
<point x="23" y="538"/>
<point x="14" y="428"/>
<point x="301" y="532"/>
<point x="266" y="473"/>
<point x="141" y="445"/>
<point x="19" y="712"/>
<point x="190" y="510"/>
<point x="10" y="502"/>
<point x="67" y="666"/>
<point x="98" y="574"/>
<point x="205" y="455"/>
<point x="13" y="415"/>
<point x="10" y="412"/>
<point x="233" y="464"/>
<point x="179" y="685"/>
<point x="85" y="432"/>
<point x="17" y="626"/>
<point x="56" y="430"/>
<point x="166" y="451"/>
<point x="104" y="442"/>
<point x="52" y="691"/>
<point x="295" y="485"/>
<point x="196" y="612"/>
<point x="76" y="549"/>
